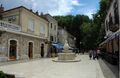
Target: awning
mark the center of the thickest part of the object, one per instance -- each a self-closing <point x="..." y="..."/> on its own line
<point x="58" y="45"/>
<point x="117" y="33"/>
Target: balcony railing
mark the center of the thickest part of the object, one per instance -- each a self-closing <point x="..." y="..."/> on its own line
<point x="8" y="26"/>
<point x="42" y="35"/>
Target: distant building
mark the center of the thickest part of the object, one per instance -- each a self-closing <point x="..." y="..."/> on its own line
<point x="63" y="35"/>
<point x="23" y="34"/>
<point x="52" y="34"/>
<point x="53" y="28"/>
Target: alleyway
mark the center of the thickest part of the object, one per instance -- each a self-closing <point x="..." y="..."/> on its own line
<point x="46" y="68"/>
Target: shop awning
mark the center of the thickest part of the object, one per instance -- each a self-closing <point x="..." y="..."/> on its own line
<point x="58" y="45"/>
<point x="111" y="37"/>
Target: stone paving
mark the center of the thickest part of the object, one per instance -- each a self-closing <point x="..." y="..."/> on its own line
<point x="46" y="68"/>
<point x="109" y="70"/>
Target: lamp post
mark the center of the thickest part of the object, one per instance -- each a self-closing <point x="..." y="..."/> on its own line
<point x="80" y="45"/>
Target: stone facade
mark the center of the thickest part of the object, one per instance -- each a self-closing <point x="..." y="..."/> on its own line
<point x="22" y="45"/>
<point x="23" y="34"/>
<point x="112" y="18"/>
<point x="53" y="28"/>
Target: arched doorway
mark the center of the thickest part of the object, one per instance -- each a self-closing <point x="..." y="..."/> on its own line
<point x="42" y="50"/>
<point x="13" y="50"/>
<point x="30" y="50"/>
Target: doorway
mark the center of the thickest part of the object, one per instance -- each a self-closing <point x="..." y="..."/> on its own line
<point x="42" y="50"/>
<point x="13" y="50"/>
<point x="30" y="50"/>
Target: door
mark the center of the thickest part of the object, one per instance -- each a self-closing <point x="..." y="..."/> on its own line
<point x="13" y="50"/>
<point x="30" y="50"/>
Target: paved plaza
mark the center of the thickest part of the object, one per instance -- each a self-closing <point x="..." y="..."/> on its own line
<point x="46" y="68"/>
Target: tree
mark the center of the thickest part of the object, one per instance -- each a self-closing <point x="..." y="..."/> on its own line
<point x="90" y="32"/>
<point x="73" y="25"/>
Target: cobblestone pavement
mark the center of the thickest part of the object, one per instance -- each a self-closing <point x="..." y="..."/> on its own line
<point x="46" y="68"/>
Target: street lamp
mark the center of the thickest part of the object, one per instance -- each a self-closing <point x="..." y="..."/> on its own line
<point x="81" y="46"/>
<point x="80" y="43"/>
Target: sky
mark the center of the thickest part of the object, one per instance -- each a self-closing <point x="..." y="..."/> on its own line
<point x="56" y="7"/>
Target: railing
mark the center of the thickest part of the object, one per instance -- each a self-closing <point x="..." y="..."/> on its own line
<point x="42" y="35"/>
<point x="8" y="26"/>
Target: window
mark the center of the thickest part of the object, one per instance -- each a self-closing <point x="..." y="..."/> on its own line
<point x="116" y="14"/>
<point x="51" y="38"/>
<point x="55" y="27"/>
<point x="55" y="39"/>
<point x="42" y="28"/>
<point x="51" y="25"/>
<point x="110" y="20"/>
<point x="31" y="25"/>
<point x="11" y="19"/>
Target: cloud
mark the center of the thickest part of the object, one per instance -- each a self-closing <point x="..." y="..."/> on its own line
<point x="87" y="11"/>
<point x="89" y="14"/>
<point x="75" y="2"/>
<point x="31" y="3"/>
<point x="54" y="7"/>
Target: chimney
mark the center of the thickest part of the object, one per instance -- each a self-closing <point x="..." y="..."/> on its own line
<point x="1" y="11"/>
<point x="37" y="12"/>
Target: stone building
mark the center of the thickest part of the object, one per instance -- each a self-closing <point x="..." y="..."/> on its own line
<point x="23" y="34"/>
<point x="53" y="28"/>
<point x="52" y="34"/>
<point x="111" y="46"/>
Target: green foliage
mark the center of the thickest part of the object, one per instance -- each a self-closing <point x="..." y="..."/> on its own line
<point x="90" y="32"/>
<point x="2" y="75"/>
<point x="104" y="5"/>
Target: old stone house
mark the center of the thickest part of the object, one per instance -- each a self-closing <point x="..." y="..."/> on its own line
<point x="23" y="34"/>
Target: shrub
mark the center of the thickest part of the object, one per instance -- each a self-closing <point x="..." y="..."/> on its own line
<point x="2" y="75"/>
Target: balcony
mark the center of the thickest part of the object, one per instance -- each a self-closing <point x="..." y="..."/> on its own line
<point x="5" y="26"/>
<point x="114" y="27"/>
<point x="42" y="35"/>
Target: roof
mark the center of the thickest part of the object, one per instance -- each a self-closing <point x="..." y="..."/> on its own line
<point x="45" y="16"/>
<point x="27" y="10"/>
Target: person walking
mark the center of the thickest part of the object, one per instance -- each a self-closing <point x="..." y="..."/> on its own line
<point x="94" y="54"/>
<point x="90" y="54"/>
<point x="98" y="54"/>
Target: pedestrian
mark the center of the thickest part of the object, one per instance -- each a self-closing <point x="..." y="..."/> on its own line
<point x="94" y="54"/>
<point x="90" y="54"/>
<point x="98" y="54"/>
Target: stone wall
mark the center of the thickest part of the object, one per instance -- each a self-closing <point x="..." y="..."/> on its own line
<point x="22" y="45"/>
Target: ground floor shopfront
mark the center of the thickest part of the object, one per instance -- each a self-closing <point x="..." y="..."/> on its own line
<point x="18" y="47"/>
<point x="110" y="48"/>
